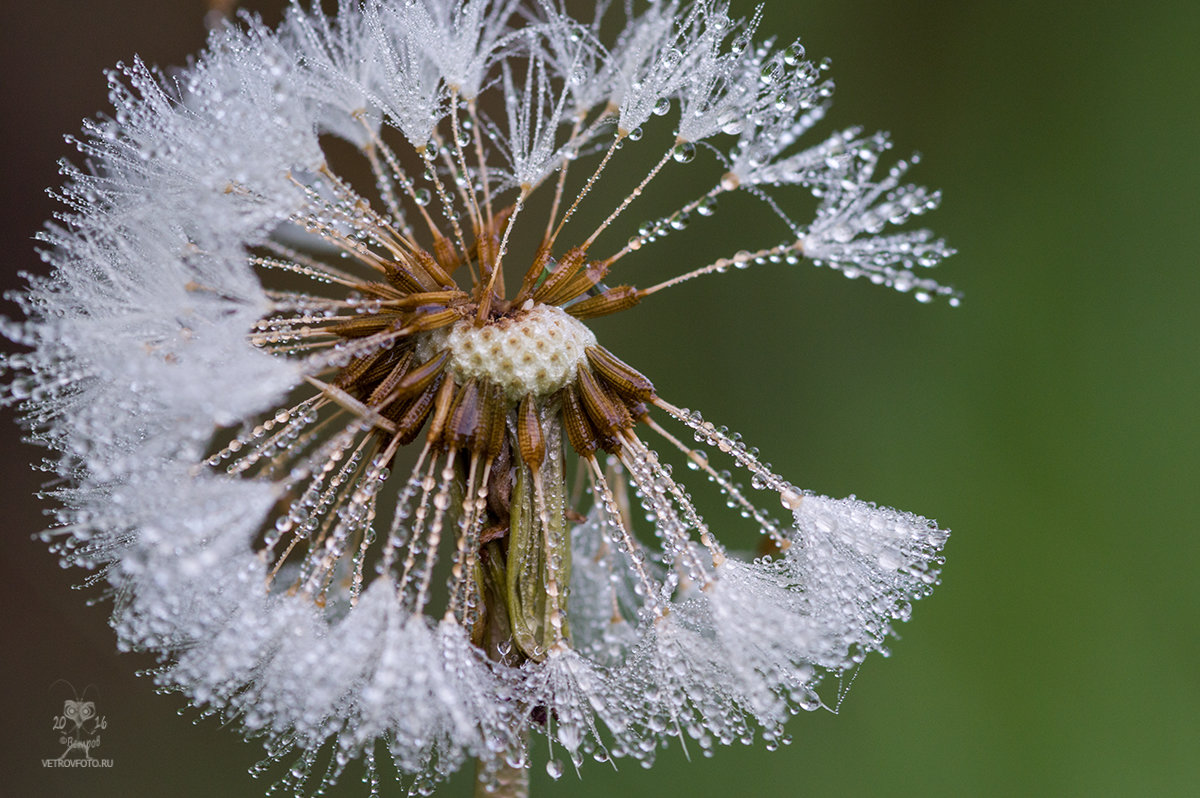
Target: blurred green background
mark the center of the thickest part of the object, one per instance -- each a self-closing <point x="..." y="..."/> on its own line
<point x="1050" y="422"/>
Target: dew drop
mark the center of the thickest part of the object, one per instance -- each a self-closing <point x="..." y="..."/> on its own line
<point x="791" y="499"/>
<point x="809" y="701"/>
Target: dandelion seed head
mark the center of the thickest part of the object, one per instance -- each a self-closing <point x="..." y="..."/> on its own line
<point x="331" y="424"/>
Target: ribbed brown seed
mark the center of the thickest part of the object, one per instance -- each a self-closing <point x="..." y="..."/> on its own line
<point x="619" y="375"/>
<point x="530" y="440"/>
<point x="534" y="273"/>
<point x="483" y="425"/>
<point x="411" y="417"/>
<point x="396" y="410"/>
<point x="447" y="256"/>
<point x="411" y="265"/>
<point x="500" y="481"/>
<point x="613" y="300"/>
<point x="416" y="380"/>
<point x="486" y="248"/>
<point x="359" y="367"/>
<point x="441" y="410"/>
<point x="380" y="290"/>
<point x="462" y="430"/>
<point x="402" y="278"/>
<point x="580" y="431"/>
<point x="360" y="328"/>
<point x="427" y="298"/>
<point x="381" y="368"/>
<point x="580" y="284"/>
<point x="605" y="410"/>
<point x="497" y="422"/>
<point x="571" y="261"/>
<point x="463" y="427"/>
<point x="433" y="320"/>
<point x="390" y="380"/>
<point x="430" y="265"/>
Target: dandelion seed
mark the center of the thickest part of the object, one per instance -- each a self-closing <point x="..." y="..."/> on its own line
<point x="315" y="360"/>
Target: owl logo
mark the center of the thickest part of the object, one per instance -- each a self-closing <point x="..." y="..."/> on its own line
<point x="79" y="725"/>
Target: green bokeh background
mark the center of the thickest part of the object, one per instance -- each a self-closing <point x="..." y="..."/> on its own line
<point x="1050" y="421"/>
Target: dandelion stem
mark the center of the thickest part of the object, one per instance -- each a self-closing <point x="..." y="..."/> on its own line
<point x="636" y="242"/>
<point x="562" y="181"/>
<point x="637" y="192"/>
<point x="482" y="159"/>
<point x="485" y="298"/>
<point x="722" y="264"/>
<point x="617" y="522"/>
<point x="767" y="525"/>
<point x="384" y="184"/>
<point x="591" y="181"/>
<point x="469" y="191"/>
<point x="447" y="204"/>
<point x="406" y="182"/>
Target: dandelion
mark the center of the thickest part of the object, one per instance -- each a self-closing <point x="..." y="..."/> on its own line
<point x="332" y="428"/>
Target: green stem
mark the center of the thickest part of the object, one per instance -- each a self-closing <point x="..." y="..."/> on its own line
<point x="539" y="552"/>
<point x="497" y="778"/>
